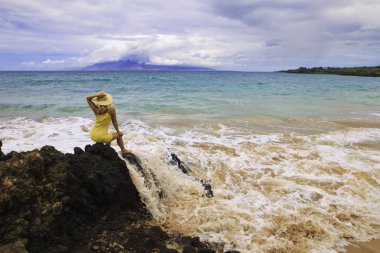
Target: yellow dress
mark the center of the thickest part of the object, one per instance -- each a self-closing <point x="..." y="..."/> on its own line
<point x="99" y="132"/>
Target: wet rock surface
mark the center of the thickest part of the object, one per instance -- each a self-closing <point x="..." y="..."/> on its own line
<point x="2" y="156"/>
<point x="82" y="202"/>
<point x="181" y="166"/>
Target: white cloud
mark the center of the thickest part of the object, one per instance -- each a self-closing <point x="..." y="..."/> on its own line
<point x="53" y="62"/>
<point x="28" y="63"/>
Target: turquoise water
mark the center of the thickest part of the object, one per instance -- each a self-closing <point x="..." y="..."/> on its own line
<point x="189" y="95"/>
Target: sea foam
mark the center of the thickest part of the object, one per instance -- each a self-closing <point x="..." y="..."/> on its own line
<point x="22" y="134"/>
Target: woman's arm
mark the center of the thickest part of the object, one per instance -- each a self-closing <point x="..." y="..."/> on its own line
<point x="112" y="112"/>
<point x="91" y="104"/>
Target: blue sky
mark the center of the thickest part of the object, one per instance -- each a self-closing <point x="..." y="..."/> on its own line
<point x="248" y="35"/>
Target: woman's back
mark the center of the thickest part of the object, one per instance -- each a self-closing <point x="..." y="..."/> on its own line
<point x="102" y="121"/>
<point x="99" y="131"/>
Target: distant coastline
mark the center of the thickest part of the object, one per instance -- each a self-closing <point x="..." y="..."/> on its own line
<point x="354" y="71"/>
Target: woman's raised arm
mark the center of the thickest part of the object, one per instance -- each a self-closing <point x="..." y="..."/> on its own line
<point x="91" y="104"/>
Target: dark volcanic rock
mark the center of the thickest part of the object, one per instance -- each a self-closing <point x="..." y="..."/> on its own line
<point x="2" y="156"/>
<point x="16" y="247"/>
<point x="193" y="244"/>
<point x="132" y="158"/>
<point x="176" y="161"/>
<point x="49" y="198"/>
<point x="99" y="172"/>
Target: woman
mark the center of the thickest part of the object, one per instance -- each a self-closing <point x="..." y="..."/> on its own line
<point x="101" y="105"/>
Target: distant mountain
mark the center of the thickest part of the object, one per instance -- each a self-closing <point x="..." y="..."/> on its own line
<point x="128" y="65"/>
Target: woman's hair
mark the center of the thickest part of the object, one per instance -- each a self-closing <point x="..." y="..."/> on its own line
<point x="103" y="109"/>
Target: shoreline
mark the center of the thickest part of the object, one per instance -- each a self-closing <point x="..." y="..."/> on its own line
<point x="364" y="247"/>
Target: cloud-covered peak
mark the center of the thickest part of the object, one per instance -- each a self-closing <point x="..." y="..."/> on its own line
<point x="140" y="57"/>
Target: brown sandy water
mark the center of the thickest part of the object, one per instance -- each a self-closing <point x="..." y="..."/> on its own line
<point x="364" y="247"/>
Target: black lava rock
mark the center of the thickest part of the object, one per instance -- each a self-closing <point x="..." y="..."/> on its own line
<point x="176" y="161"/>
<point x="49" y="198"/>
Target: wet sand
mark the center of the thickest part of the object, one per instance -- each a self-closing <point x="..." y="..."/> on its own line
<point x="365" y="247"/>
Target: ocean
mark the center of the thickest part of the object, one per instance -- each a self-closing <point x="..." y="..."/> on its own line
<point x="293" y="160"/>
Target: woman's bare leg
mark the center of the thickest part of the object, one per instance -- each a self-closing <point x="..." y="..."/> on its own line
<point x="120" y="142"/>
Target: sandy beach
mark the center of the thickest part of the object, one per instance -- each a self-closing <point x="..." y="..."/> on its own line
<point x="365" y="247"/>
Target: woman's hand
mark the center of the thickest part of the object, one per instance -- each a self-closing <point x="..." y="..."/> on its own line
<point x="99" y="95"/>
<point x="120" y="133"/>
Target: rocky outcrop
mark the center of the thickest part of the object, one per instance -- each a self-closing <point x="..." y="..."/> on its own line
<point x="82" y="202"/>
<point x="176" y="161"/>
<point x="47" y="198"/>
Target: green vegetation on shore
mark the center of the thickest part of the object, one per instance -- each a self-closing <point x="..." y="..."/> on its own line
<point x="355" y="71"/>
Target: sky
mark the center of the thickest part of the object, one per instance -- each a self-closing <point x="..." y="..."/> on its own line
<point x="241" y="35"/>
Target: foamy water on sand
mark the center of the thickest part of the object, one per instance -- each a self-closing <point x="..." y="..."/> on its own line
<point x="273" y="192"/>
